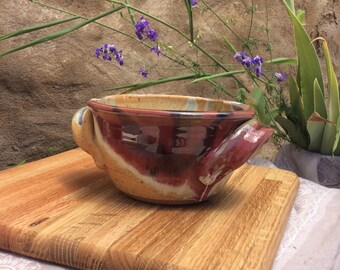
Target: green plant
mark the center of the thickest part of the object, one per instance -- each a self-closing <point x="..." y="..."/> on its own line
<point x="310" y="119"/>
<point x="303" y="116"/>
<point x="198" y="72"/>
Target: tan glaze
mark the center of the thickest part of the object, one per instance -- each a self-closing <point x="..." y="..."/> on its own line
<point x="168" y="149"/>
<point x="63" y="209"/>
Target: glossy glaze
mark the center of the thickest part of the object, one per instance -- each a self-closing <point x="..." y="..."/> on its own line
<point x="168" y="149"/>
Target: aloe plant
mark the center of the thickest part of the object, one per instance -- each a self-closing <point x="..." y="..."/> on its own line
<point x="311" y="119"/>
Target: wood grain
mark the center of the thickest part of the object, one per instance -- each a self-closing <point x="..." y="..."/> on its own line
<point x="64" y="210"/>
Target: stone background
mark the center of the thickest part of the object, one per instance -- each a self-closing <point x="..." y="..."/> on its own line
<point x="41" y="87"/>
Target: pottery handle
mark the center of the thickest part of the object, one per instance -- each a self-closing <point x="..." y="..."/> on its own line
<point x="235" y="150"/>
<point x="247" y="141"/>
<point x="84" y="134"/>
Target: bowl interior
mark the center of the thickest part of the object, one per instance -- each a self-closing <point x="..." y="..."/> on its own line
<point x="168" y="103"/>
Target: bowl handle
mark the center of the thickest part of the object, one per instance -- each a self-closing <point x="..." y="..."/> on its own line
<point x="83" y="129"/>
<point x="234" y="151"/>
<point x="246" y="142"/>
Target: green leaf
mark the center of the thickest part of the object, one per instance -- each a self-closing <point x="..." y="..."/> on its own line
<point x="315" y="127"/>
<point x="295" y="124"/>
<point x="37" y="27"/>
<point x="309" y="65"/>
<point x="319" y="100"/>
<point x="131" y="14"/>
<point x="260" y="105"/>
<point x="300" y="14"/>
<point x="60" y="33"/>
<point x="241" y="95"/>
<point x="191" y="23"/>
<point x="293" y="131"/>
<point x="333" y="86"/>
<point x="336" y="145"/>
<point x="334" y="106"/>
<point x="296" y="101"/>
<point x="224" y="74"/>
<point x="274" y="113"/>
<point x="283" y="60"/>
<point x="328" y="138"/>
<point x="290" y="5"/>
<point x="316" y="122"/>
<point x="229" y="45"/>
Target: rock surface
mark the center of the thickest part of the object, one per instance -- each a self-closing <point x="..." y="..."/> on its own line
<point x="42" y="86"/>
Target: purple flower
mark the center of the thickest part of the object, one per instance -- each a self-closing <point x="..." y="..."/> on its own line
<point x="107" y="51"/>
<point x="112" y="48"/>
<point x="247" y="61"/>
<point x="119" y="57"/>
<point x="257" y="60"/>
<point x="243" y="58"/>
<point x="98" y="52"/>
<point x="240" y="56"/>
<point x="141" y="25"/>
<point x="257" y="65"/>
<point x="156" y="50"/>
<point x="258" y="70"/>
<point x="143" y="72"/>
<point x="151" y="34"/>
<point x="253" y="63"/>
<point x="194" y="3"/>
<point x="144" y="31"/>
<point x="280" y="77"/>
<point x="139" y="35"/>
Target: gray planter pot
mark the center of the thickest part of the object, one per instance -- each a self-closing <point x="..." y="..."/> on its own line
<point x="318" y="168"/>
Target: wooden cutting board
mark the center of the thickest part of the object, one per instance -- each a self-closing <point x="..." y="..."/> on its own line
<point x="64" y="210"/>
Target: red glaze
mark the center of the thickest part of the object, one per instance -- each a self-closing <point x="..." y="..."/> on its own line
<point x="196" y="148"/>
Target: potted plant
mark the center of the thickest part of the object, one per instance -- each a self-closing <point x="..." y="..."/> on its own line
<point x="311" y="117"/>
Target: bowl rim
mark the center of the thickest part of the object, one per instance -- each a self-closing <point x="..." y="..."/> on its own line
<point x="241" y="110"/>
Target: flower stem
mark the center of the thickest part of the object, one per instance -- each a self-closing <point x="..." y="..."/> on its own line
<point x="111" y="28"/>
<point x="38" y="27"/>
<point x="132" y="16"/>
<point x="224" y="23"/>
<point x="251" y="19"/>
<point x="130" y="9"/>
<point x="59" y="33"/>
<point x="134" y="87"/>
<point x="191" y="22"/>
<point x="182" y="34"/>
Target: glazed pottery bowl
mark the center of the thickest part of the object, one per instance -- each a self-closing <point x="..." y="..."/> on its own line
<point x="168" y="149"/>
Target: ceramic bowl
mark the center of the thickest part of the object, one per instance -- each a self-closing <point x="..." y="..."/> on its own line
<point x="168" y="149"/>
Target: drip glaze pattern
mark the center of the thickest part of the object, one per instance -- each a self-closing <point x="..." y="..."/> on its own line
<point x="168" y="149"/>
